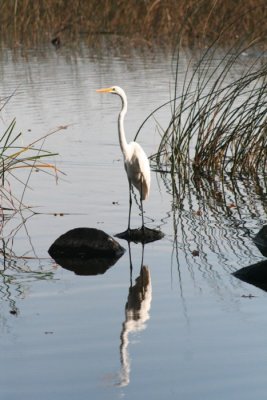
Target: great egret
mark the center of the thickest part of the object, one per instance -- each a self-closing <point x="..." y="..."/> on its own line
<point x="135" y="160"/>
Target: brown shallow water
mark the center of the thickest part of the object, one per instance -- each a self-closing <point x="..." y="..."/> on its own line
<point x="197" y="333"/>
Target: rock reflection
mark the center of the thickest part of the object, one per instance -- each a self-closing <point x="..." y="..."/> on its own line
<point x="136" y="315"/>
<point x="255" y="274"/>
<point x="84" y="265"/>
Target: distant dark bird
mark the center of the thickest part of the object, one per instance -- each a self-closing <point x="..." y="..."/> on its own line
<point x="56" y="42"/>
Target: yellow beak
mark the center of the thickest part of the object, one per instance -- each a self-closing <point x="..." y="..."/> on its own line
<point x="104" y="90"/>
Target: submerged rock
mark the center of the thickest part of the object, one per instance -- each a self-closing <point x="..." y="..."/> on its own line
<point x="86" y="251"/>
<point x="141" y="235"/>
<point x="255" y="274"/>
<point x="260" y="240"/>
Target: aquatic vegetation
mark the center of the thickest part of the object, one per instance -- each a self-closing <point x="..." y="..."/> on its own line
<point x="218" y="117"/>
<point x="212" y="127"/>
<point x="31" y="22"/>
<point x="15" y="157"/>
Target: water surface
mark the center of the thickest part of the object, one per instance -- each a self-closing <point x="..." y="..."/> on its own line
<point x="198" y="332"/>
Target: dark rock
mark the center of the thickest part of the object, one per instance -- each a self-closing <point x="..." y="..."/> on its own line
<point x="255" y="274"/>
<point x="86" y="251"/>
<point x="260" y="240"/>
<point x="141" y="235"/>
<point x="88" y="242"/>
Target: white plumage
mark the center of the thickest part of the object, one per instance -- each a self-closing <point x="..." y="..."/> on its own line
<point x="137" y="168"/>
<point x="135" y="160"/>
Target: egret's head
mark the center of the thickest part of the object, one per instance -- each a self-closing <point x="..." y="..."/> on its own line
<point x="113" y="90"/>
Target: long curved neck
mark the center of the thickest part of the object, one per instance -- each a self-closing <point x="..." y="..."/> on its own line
<point x="122" y="138"/>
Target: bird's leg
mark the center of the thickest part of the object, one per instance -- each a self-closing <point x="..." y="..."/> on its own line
<point x="142" y="213"/>
<point x="142" y="258"/>
<point x="131" y="264"/>
<point x="141" y="203"/>
<point x="130" y="205"/>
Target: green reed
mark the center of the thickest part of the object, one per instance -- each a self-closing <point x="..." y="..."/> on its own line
<point x="218" y="123"/>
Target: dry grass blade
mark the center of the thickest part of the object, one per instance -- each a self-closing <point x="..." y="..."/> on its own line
<point x="14" y="157"/>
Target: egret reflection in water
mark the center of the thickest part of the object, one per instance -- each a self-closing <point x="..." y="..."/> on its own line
<point x="137" y="310"/>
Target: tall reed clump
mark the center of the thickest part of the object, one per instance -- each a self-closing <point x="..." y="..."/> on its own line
<point x="218" y="124"/>
<point x="219" y="112"/>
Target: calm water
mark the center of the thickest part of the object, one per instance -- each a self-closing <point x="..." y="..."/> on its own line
<point x="197" y="333"/>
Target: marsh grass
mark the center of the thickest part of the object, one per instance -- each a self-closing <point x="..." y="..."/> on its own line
<point x="219" y="116"/>
<point x="14" y="214"/>
<point x="217" y="125"/>
<point x="31" y="22"/>
<point x="13" y="158"/>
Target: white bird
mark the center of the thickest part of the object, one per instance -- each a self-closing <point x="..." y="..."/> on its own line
<point x="135" y="159"/>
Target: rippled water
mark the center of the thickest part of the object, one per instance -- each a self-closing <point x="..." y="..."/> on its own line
<point x="198" y="332"/>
